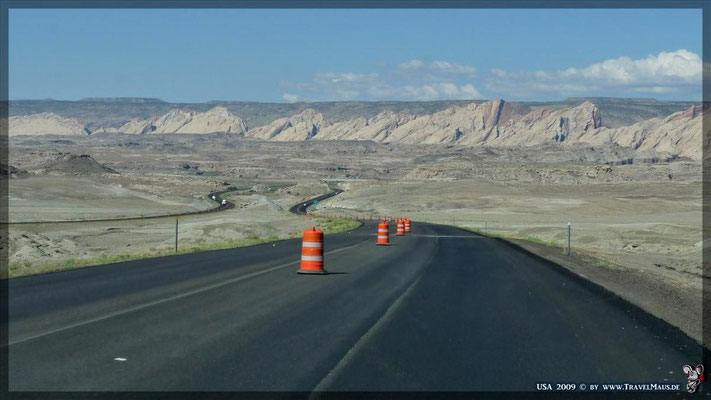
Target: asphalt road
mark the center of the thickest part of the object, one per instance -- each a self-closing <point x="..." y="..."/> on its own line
<point x="301" y="208"/>
<point x="440" y="309"/>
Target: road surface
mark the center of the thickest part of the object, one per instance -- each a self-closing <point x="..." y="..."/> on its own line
<point x="440" y="309"/>
<point x="301" y="207"/>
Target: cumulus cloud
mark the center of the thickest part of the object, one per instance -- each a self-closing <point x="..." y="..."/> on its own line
<point x="410" y="80"/>
<point x="665" y="67"/>
<point x="345" y="77"/>
<point x="446" y="90"/>
<point x="437" y="66"/>
<point x="672" y="72"/>
<point x="669" y="74"/>
<point x="290" y="97"/>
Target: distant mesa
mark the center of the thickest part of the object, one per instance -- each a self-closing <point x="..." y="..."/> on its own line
<point x="612" y="99"/>
<point x="122" y="100"/>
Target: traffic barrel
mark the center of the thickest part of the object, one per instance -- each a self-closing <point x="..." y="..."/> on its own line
<point x="400" y="227"/>
<point x="407" y="225"/>
<point x="383" y="234"/>
<point x="312" y="253"/>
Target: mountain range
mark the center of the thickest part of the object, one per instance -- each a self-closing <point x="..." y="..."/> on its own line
<point x="489" y="123"/>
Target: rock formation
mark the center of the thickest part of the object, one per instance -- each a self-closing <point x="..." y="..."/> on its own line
<point x="45" y="124"/>
<point x="494" y="123"/>
<point x="219" y="119"/>
<point x="303" y="126"/>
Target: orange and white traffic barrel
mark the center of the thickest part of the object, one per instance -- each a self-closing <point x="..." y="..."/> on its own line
<point x="312" y="253"/>
<point x="383" y="234"/>
<point x="400" y="227"/>
<point x="407" y="225"/>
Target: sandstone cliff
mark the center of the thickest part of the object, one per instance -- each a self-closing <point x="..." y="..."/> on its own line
<point x="45" y="124"/>
<point x="219" y="119"/>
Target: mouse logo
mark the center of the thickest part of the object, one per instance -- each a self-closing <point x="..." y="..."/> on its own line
<point x="694" y="377"/>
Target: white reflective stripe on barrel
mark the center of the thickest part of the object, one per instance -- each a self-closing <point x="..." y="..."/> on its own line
<point x="311" y="258"/>
<point x="382" y="237"/>
<point x="313" y="244"/>
<point x="382" y="230"/>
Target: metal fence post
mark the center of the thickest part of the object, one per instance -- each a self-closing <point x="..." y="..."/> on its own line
<point x="568" y="238"/>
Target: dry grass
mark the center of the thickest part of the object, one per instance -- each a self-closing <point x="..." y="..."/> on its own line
<point x="329" y="225"/>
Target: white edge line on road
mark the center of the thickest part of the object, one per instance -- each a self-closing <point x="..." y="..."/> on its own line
<point x="167" y="299"/>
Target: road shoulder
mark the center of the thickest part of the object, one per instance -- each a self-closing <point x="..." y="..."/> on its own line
<point x="679" y="306"/>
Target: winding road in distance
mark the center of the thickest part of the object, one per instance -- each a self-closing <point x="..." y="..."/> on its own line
<point x="301" y="207"/>
<point x="439" y="310"/>
<point x="218" y="197"/>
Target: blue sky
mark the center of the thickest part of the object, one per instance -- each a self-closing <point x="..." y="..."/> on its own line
<point x="315" y="54"/>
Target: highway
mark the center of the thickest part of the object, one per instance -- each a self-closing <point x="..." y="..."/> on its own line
<point x="301" y="207"/>
<point x="440" y="309"/>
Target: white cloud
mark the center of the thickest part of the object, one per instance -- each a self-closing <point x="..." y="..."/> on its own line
<point x="290" y="98"/>
<point x="332" y="77"/>
<point x="437" y="66"/>
<point x="468" y="91"/>
<point x="439" y="91"/>
<point x="445" y="66"/>
<point x="676" y="66"/>
<point x="410" y="80"/>
<point x="664" y="73"/>
<point x="412" y="64"/>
